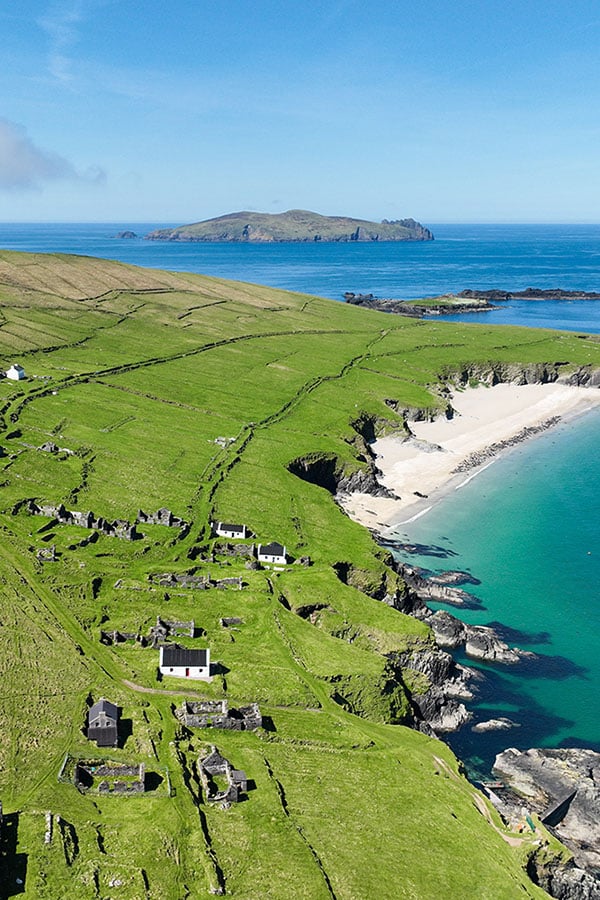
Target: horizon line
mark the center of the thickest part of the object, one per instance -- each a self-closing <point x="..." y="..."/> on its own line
<point x="431" y="224"/>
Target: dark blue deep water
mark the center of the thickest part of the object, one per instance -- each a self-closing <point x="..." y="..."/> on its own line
<point x="527" y="527"/>
<point x="511" y="257"/>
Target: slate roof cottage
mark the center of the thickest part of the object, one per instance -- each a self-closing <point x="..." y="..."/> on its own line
<point x="103" y="719"/>
<point x="273" y="553"/>
<point x="182" y="663"/>
<point x="225" y="529"/>
<point x="16" y="372"/>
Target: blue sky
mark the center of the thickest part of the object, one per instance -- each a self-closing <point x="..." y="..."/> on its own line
<point x="448" y="111"/>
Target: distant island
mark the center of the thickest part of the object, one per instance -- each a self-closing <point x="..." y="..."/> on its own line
<point x="293" y="225"/>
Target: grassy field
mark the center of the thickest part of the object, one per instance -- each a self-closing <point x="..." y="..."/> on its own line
<point x="197" y="394"/>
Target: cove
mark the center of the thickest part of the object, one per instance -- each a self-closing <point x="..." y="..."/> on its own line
<point x="528" y="528"/>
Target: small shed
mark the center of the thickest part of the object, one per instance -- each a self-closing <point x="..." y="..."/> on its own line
<point x="16" y="372"/>
<point x="272" y="553"/>
<point x="103" y="719"/>
<point x="182" y="663"/>
<point x="227" y="529"/>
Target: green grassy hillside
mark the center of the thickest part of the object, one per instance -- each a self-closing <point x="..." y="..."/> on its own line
<point x="198" y="394"/>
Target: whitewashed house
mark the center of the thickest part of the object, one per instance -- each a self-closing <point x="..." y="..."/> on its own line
<point x="272" y="553"/>
<point x="225" y="529"/>
<point x="182" y="663"/>
<point x="16" y="372"/>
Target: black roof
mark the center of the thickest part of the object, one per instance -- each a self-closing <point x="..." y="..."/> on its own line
<point x="179" y="656"/>
<point x="226" y="526"/>
<point x="103" y="706"/>
<point x="105" y="736"/>
<point x="272" y="549"/>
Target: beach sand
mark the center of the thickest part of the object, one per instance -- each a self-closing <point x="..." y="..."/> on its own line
<point x="426" y="463"/>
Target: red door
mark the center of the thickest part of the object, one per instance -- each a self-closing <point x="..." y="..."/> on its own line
<point x="187" y="673"/>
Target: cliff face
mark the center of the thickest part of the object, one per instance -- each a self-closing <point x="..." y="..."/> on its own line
<point x="563" y="787"/>
<point x="294" y="225"/>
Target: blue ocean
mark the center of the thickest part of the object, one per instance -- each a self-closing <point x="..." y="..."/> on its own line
<point x="528" y="527"/>
<point x="512" y="257"/>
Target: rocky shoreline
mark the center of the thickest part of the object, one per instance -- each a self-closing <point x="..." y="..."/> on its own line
<point x="416" y="309"/>
<point x="499" y="295"/>
<point x="464" y="301"/>
<point x="562" y="787"/>
<point x="474" y="460"/>
<point x="543" y="782"/>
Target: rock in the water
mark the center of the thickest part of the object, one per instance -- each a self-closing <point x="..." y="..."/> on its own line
<point x="484" y="643"/>
<point x="126" y="235"/>
<point x="448" y="630"/>
<point x="453" y="577"/>
<point x="499" y="724"/>
<point x="479" y="641"/>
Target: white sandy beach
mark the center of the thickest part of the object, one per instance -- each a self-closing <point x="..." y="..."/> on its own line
<point x="427" y="462"/>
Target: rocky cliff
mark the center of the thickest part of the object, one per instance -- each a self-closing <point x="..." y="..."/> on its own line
<point x="563" y="787"/>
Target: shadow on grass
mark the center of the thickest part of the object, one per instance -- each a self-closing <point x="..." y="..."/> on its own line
<point x="152" y="781"/>
<point x="125" y="730"/>
<point x="13" y="865"/>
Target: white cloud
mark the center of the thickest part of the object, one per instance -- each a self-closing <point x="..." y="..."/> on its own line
<point x="25" y="166"/>
<point x="61" y="25"/>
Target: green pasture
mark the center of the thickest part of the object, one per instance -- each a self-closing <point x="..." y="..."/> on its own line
<point x="136" y="375"/>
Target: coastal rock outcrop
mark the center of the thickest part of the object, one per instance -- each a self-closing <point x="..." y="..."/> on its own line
<point x="479" y="641"/>
<point x="563" y="787"/>
<point x="499" y="724"/>
<point x="535" y="373"/>
<point x="428" y="306"/>
<point x="529" y="294"/>
<point x="438" y="687"/>
<point x="565" y="881"/>
<point x="439" y="593"/>
<point x="328" y="472"/>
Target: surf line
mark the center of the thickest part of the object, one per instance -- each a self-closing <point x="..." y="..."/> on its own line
<point x="416" y="516"/>
<point x="474" y="475"/>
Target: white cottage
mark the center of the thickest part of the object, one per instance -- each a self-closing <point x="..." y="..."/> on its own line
<point x="182" y="663"/>
<point x="16" y="372"/>
<point x="272" y="553"/>
<point x="226" y="529"/>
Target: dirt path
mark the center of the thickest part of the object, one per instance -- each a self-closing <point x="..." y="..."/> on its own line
<point x="483" y="809"/>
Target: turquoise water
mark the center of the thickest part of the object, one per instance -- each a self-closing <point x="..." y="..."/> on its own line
<point x="528" y="527"/>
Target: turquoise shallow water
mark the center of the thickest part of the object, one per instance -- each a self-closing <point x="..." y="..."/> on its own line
<point x="528" y="527"/>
